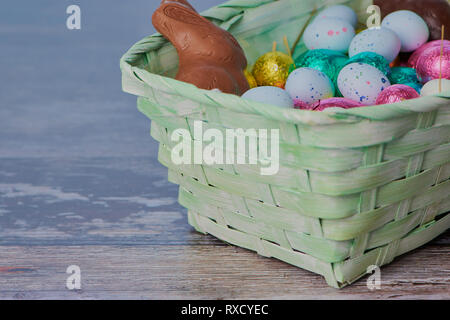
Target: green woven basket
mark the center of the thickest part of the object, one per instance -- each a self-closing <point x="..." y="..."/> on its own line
<point x="355" y="188"/>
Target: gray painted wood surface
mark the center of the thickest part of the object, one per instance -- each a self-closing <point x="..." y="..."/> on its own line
<point x="211" y="271"/>
<point x="118" y="219"/>
<point x="80" y="183"/>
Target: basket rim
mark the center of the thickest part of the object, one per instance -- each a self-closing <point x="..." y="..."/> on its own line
<point x="128" y="65"/>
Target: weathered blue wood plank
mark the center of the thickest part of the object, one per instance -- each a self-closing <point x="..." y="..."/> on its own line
<point x="115" y="201"/>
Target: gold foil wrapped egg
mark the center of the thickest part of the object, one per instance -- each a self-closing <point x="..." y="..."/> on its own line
<point x="272" y="69"/>
<point x="250" y="79"/>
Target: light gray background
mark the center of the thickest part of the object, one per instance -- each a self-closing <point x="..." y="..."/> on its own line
<point x="60" y="90"/>
<point x="76" y="156"/>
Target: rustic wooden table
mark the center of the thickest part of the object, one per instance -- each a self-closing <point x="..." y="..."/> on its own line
<point x="118" y="220"/>
<point x="80" y="183"/>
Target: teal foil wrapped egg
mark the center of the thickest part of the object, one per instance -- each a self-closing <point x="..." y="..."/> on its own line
<point x="416" y="86"/>
<point x="373" y="59"/>
<point x="403" y="75"/>
<point x="327" y="61"/>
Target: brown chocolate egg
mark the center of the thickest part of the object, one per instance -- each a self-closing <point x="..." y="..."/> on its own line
<point x="435" y="13"/>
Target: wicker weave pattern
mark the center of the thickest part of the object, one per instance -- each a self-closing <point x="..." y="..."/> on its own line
<point x="355" y="188"/>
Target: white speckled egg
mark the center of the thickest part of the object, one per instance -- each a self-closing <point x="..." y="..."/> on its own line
<point x="432" y="87"/>
<point x="409" y="27"/>
<point x="329" y="33"/>
<point x="269" y="95"/>
<point x="379" y="40"/>
<point x="362" y="82"/>
<point x="341" y="12"/>
<point x="309" y="85"/>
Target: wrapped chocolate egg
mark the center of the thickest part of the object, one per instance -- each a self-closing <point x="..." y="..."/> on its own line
<point x="382" y="41"/>
<point x="430" y="64"/>
<point x="269" y="95"/>
<point x="309" y="85"/>
<point x="272" y="69"/>
<point x="409" y="27"/>
<point x="299" y="104"/>
<point x="362" y="82"/>
<point x="403" y="75"/>
<point x="412" y="61"/>
<point x="432" y="87"/>
<point x="396" y="93"/>
<point x="342" y="103"/>
<point x="373" y="59"/>
<point x="250" y="79"/>
<point x="340" y="12"/>
<point x="329" y="33"/>
<point x="328" y="61"/>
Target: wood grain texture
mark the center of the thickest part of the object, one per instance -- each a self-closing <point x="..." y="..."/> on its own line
<point x="205" y="272"/>
<point x="118" y="219"/>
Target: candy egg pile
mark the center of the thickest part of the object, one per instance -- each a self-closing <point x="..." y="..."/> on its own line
<point x="344" y="69"/>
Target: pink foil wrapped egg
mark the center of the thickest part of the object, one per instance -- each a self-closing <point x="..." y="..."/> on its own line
<point x="412" y="61"/>
<point x="396" y="93"/>
<point x="299" y="104"/>
<point x="428" y="63"/>
<point x="334" y="102"/>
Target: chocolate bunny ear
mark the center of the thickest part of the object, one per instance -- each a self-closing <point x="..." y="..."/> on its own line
<point x="181" y="2"/>
<point x="205" y="64"/>
<point x="179" y="13"/>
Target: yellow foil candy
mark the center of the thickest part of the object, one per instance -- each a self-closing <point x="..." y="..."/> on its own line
<point x="272" y="69"/>
<point x="250" y="79"/>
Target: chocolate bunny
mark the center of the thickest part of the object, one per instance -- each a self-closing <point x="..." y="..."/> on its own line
<point x="210" y="57"/>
